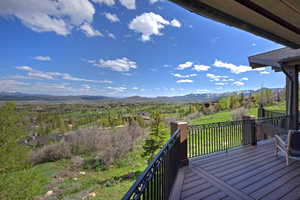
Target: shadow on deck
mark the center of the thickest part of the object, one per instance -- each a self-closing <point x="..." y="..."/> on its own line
<point x="249" y="172"/>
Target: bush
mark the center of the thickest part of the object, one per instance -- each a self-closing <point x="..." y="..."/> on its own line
<point x="239" y="113"/>
<point x="108" y="145"/>
<point x="51" y="153"/>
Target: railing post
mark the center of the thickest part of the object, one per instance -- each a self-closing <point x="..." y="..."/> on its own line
<point x="183" y="127"/>
<point x="261" y="111"/>
<point x="249" y="131"/>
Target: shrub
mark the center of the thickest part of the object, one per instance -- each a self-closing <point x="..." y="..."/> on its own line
<point x="51" y="153"/>
<point x="239" y="113"/>
<point x="108" y="145"/>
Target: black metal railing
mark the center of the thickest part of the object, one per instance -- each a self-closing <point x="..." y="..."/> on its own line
<point x="205" y="139"/>
<point x="263" y="113"/>
<point x="156" y="182"/>
<point x="274" y="113"/>
<point x="275" y="125"/>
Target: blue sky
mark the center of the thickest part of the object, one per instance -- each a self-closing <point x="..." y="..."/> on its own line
<point x="123" y="48"/>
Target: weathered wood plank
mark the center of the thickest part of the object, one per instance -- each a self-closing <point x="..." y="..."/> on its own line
<point x="292" y="195"/>
<point x="235" y="194"/>
<point x="283" y="189"/>
<point x="272" y="184"/>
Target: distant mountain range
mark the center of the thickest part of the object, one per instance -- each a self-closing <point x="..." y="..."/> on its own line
<point x="203" y="97"/>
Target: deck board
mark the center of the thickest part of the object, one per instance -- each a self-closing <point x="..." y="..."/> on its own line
<point x="250" y="172"/>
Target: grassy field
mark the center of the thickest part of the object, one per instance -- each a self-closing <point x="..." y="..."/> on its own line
<point x="76" y="183"/>
<point x="227" y="115"/>
<point x="71" y="183"/>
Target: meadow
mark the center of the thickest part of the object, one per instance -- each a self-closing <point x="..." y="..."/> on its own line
<point x="77" y="170"/>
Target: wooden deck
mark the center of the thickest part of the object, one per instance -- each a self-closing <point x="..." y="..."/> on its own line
<point x="245" y="173"/>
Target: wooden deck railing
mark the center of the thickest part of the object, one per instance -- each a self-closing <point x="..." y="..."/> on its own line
<point x="157" y="180"/>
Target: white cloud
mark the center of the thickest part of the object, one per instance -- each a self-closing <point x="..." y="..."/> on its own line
<point x="185" y="65"/>
<point x="201" y="67"/>
<point x="220" y="83"/>
<point x="148" y="24"/>
<point x="260" y="69"/>
<point x="89" y="31"/>
<point x="106" y="2"/>
<point x="129" y="4"/>
<point x="184" y="81"/>
<point x="233" y="68"/>
<point x="118" y="89"/>
<point x="42" y="58"/>
<point x="238" y="83"/>
<point x="244" y="79"/>
<point x="86" y="87"/>
<point x="48" y="15"/>
<point x="201" y="91"/>
<point x="120" y="65"/>
<point x="111" y="35"/>
<point x="135" y="88"/>
<point x="112" y="17"/>
<point x="153" y="1"/>
<point x="184" y="76"/>
<point x="25" y="68"/>
<point x="41" y="75"/>
<point x="214" y="77"/>
<point x="264" y="72"/>
<point x="175" y="23"/>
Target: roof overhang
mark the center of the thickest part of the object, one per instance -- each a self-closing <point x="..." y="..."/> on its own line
<point x="274" y="20"/>
<point x="276" y="59"/>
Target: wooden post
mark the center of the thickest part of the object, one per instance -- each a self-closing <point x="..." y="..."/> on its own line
<point x="261" y="111"/>
<point x="183" y="127"/>
<point x="248" y="131"/>
<point x="292" y="96"/>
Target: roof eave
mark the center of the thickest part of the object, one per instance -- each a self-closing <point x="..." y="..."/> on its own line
<point x="201" y="8"/>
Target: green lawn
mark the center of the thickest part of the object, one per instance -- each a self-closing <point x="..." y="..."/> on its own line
<point x="226" y="115"/>
<point x="111" y="183"/>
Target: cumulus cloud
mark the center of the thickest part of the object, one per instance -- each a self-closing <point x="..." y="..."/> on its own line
<point x="42" y="58"/>
<point x="184" y="76"/>
<point x="184" y="81"/>
<point x="233" y="68"/>
<point x="201" y="67"/>
<point x="118" y="89"/>
<point x="175" y="23"/>
<point x="244" y="79"/>
<point x="112" y="17"/>
<point x="153" y="1"/>
<point x="220" y="83"/>
<point x="111" y="35"/>
<point x="41" y="75"/>
<point x="120" y="65"/>
<point x="214" y="77"/>
<point x="129" y="4"/>
<point x="238" y="83"/>
<point x="148" y="24"/>
<point x="106" y="2"/>
<point x="48" y="15"/>
<point x="185" y="65"/>
<point x="89" y="31"/>
<point x="264" y="72"/>
<point x="25" y="68"/>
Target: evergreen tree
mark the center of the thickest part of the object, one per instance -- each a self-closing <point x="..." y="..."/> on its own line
<point x="12" y="128"/>
<point x="156" y="138"/>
